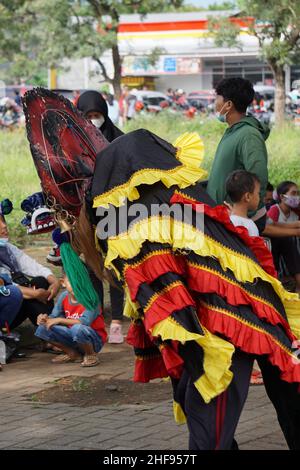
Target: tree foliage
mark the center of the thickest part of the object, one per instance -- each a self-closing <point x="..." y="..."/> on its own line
<point x="41" y="33"/>
<point x="276" y="25"/>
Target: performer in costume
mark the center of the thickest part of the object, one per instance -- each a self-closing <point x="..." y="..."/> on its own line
<point x="204" y="298"/>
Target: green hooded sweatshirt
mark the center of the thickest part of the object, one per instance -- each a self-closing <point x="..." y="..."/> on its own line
<point x="242" y="147"/>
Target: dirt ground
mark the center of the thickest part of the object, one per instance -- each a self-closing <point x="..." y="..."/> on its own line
<point x="92" y="391"/>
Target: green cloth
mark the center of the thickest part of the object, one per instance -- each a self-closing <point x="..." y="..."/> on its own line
<point x="79" y="278"/>
<point x="242" y="147"/>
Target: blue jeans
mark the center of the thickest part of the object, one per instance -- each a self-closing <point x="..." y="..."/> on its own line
<point x="72" y="337"/>
<point x="10" y="305"/>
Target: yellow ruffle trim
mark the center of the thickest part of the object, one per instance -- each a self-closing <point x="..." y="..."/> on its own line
<point x="217" y="356"/>
<point x="178" y="413"/>
<point x="190" y="151"/>
<point x="182" y="236"/>
<point x="130" y="308"/>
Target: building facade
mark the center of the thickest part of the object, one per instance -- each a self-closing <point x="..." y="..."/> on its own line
<point x="175" y="50"/>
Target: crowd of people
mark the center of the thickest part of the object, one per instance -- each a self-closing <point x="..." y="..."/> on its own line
<point x="237" y="181"/>
<point x="242" y="146"/>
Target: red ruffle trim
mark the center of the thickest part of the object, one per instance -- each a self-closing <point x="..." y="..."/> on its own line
<point x="250" y="340"/>
<point x="177" y="298"/>
<point x="149" y="369"/>
<point x="203" y="282"/>
<point x="167" y="362"/>
<point x="220" y="214"/>
<point x="150" y="269"/>
<point x="173" y="362"/>
<point x="138" y="337"/>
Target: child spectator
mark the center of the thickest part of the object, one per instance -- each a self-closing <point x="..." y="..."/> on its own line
<point x="73" y="329"/>
<point x="283" y="215"/>
<point x="243" y="189"/>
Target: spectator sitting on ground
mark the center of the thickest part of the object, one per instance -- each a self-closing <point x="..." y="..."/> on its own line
<point x="283" y="216"/>
<point x="73" y="329"/>
<point x="29" y="296"/>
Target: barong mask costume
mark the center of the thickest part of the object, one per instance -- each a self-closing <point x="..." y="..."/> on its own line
<point x="194" y="292"/>
<point x="64" y="146"/>
<point x="39" y="218"/>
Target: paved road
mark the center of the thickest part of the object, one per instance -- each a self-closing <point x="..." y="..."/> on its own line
<point x="28" y="425"/>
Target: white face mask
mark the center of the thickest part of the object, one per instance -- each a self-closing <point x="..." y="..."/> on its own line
<point x="3" y="241"/>
<point x="98" y="122"/>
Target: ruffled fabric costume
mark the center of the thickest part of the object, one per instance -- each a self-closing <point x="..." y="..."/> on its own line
<point x="197" y="288"/>
<point x="195" y="291"/>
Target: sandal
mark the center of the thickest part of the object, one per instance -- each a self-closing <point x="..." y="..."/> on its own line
<point x="64" y="358"/>
<point x="90" y="360"/>
<point x="256" y="378"/>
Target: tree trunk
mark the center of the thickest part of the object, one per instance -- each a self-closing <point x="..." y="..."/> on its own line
<point x="279" y="95"/>
<point x="117" y="61"/>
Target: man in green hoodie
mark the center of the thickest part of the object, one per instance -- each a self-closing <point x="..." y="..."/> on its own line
<point x="242" y="146"/>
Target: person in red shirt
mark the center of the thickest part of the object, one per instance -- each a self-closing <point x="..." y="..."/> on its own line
<point x="74" y="329"/>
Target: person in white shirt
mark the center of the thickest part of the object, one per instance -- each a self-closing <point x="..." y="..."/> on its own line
<point x="113" y="108"/>
<point x="243" y="189"/>
<point x="26" y="297"/>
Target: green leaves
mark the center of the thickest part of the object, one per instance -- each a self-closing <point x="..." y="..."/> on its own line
<point x="38" y="34"/>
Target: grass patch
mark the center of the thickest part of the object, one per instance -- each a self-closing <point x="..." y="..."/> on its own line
<point x="19" y="177"/>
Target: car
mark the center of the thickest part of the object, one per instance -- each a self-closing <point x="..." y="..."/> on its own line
<point x="64" y="92"/>
<point x="202" y="99"/>
<point x="151" y="100"/>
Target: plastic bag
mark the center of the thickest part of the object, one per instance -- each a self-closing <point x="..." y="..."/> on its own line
<point x="11" y="341"/>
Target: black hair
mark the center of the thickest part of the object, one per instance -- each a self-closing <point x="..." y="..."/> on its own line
<point x="239" y="183"/>
<point x="283" y="187"/>
<point x="238" y="90"/>
<point x="269" y="187"/>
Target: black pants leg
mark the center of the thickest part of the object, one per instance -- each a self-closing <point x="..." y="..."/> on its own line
<point x="97" y="284"/>
<point x="288" y="249"/>
<point x="31" y="308"/>
<point x="286" y="401"/>
<point x="212" y="426"/>
<point x="116" y="301"/>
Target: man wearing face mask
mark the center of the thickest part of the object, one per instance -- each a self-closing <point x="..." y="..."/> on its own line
<point x="22" y="297"/>
<point x="242" y="146"/>
<point x="94" y="107"/>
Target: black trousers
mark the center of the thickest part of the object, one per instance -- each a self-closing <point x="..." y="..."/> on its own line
<point x="212" y="426"/>
<point x="287" y="248"/>
<point x="116" y="300"/>
<point x="97" y="284"/>
<point x="31" y="308"/>
<point x="286" y="401"/>
<point x="261" y="223"/>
